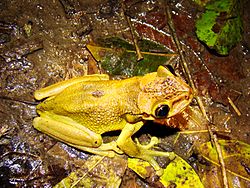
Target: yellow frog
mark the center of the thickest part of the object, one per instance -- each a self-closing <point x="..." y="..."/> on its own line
<point x="78" y="111"/>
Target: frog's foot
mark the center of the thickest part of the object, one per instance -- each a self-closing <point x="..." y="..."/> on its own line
<point x="137" y="150"/>
<point x="147" y="148"/>
<point x="147" y="154"/>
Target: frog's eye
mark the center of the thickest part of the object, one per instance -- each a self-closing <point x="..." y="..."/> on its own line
<point x="171" y="69"/>
<point x="165" y="71"/>
<point x="162" y="111"/>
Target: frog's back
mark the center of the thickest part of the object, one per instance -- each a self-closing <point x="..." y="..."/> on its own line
<point x="98" y="105"/>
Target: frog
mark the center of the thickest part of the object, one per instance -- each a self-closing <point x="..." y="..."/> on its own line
<point x="78" y="111"/>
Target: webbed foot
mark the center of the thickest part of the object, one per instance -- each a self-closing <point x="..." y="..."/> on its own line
<point x="147" y="154"/>
<point x="137" y="150"/>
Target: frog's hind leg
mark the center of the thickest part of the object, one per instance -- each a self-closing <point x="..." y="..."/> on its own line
<point x="56" y="88"/>
<point x="74" y="134"/>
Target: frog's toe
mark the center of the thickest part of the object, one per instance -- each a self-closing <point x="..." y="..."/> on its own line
<point x="171" y="155"/>
<point x="111" y="146"/>
<point x="117" y="150"/>
<point x="159" y="172"/>
<point x="110" y="154"/>
<point x="153" y="141"/>
<point x="148" y="155"/>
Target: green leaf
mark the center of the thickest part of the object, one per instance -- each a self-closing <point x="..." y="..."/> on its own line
<point x="201" y="2"/>
<point x="180" y="174"/>
<point x="118" y="58"/>
<point x="220" y="27"/>
<point x="139" y="167"/>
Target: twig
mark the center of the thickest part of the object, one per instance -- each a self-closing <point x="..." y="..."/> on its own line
<point x="198" y="98"/>
<point x="154" y="53"/>
<point x="134" y="38"/>
<point x="201" y="131"/>
<point x="234" y="106"/>
<point x="195" y="132"/>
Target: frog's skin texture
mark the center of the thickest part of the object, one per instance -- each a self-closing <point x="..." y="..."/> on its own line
<point x="79" y="110"/>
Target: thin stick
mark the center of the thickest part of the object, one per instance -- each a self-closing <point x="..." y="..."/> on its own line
<point x="131" y="28"/>
<point x="201" y="131"/>
<point x="198" y="98"/>
<point x="154" y="53"/>
<point x="234" y="106"/>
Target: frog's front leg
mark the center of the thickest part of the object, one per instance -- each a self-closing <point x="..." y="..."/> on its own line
<point x="74" y="134"/>
<point x="126" y="144"/>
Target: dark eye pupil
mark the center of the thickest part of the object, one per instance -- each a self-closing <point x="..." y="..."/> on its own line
<point x="171" y="69"/>
<point x="162" y="111"/>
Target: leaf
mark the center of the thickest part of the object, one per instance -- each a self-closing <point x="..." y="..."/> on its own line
<point x="98" y="171"/>
<point x="180" y="174"/>
<point x="122" y="60"/>
<point x="139" y="167"/>
<point x="220" y="27"/>
<point x="148" y="31"/>
<point x="236" y="155"/>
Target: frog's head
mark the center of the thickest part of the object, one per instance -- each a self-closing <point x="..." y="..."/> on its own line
<point x="163" y="94"/>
